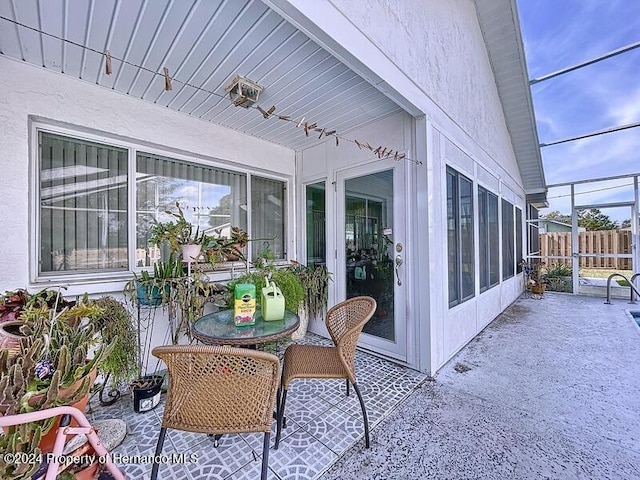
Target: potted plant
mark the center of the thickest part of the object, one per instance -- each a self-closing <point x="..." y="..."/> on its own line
<point x="117" y="329"/>
<point x="315" y="281"/>
<point x="12" y="305"/>
<point x="289" y="282"/>
<point x="534" y="277"/>
<point x="223" y="249"/>
<point x="180" y="235"/>
<point x="54" y="368"/>
<point x="155" y="290"/>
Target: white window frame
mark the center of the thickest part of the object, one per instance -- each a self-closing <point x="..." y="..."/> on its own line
<point x="499" y="250"/>
<point x="132" y="147"/>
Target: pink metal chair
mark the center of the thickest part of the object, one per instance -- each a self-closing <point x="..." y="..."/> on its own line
<point x="61" y="436"/>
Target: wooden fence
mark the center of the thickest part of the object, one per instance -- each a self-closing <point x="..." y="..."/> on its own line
<point x="603" y="242"/>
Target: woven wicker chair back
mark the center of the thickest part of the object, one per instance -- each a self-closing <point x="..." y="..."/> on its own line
<point x="219" y="390"/>
<point x="345" y="322"/>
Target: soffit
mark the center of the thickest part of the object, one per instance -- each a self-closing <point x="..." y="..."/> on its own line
<point x="204" y="44"/>
<point x="501" y="31"/>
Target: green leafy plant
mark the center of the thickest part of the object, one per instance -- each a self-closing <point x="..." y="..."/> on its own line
<point x="171" y="268"/>
<point x="286" y="279"/>
<point x="315" y="281"/>
<point x="558" y="277"/>
<point x="176" y="232"/>
<point x="52" y="369"/>
<point x="13" y="302"/>
<point x="221" y="248"/>
<point x="117" y="329"/>
<point x="558" y="270"/>
<point x="154" y="290"/>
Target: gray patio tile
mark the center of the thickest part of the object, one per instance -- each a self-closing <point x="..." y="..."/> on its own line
<point x="135" y="471"/>
<point x="141" y="438"/>
<point x="322" y="422"/>
<point x="184" y="441"/>
<point x="251" y="471"/>
<point x="301" y="409"/>
<point x="300" y="456"/>
<point x="548" y="390"/>
<point x="231" y="454"/>
<point x="336" y="429"/>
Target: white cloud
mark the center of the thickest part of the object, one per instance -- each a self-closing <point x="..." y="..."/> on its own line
<point x="625" y="109"/>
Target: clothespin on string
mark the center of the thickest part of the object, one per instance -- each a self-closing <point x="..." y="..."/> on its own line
<point x="107" y="63"/>
<point x="167" y="79"/>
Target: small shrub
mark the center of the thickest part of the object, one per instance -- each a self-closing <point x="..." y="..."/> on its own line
<point x="557" y="270"/>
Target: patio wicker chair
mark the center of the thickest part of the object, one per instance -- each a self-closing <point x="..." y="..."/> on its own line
<point x="218" y="390"/>
<point x="344" y="322"/>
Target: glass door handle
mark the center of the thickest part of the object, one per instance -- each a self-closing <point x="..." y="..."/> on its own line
<point x="399" y="262"/>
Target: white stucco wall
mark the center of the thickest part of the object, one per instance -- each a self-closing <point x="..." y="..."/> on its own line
<point x="452" y="328"/>
<point x="436" y="57"/>
<point x="29" y="92"/>
<point x="439" y="46"/>
<point x="323" y="162"/>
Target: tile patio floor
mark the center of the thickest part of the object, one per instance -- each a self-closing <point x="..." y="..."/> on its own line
<point x="549" y="390"/>
<point x="322" y="423"/>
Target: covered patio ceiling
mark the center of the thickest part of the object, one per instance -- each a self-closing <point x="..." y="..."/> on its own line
<point x="204" y="44"/>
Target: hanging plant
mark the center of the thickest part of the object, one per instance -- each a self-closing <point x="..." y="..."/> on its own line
<point x="315" y="280"/>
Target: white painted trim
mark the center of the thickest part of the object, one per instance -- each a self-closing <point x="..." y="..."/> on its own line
<point x="326" y="25"/>
<point x="423" y="147"/>
<point x="473" y="150"/>
<point x="37" y="125"/>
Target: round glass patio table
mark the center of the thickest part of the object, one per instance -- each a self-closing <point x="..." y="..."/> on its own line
<point x="218" y="328"/>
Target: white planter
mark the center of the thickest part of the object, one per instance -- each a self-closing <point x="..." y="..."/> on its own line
<point x="304" y="324"/>
<point x="190" y="253"/>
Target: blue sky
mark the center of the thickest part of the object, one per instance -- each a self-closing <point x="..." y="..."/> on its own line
<point x="562" y="33"/>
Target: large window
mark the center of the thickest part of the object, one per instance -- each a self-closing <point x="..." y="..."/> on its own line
<point x="508" y="253"/>
<point x="460" y="238"/>
<point x="268" y="199"/>
<point x="83" y="199"/>
<point x="83" y="206"/>
<point x="489" y="261"/>
<point x="211" y="199"/>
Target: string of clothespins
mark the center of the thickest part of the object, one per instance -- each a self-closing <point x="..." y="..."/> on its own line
<point x="307" y="126"/>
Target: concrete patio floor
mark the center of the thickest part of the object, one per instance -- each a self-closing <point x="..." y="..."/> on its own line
<point x="551" y="389"/>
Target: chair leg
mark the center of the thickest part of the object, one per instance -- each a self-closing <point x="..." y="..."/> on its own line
<point x="364" y="415"/>
<point x="278" y="399"/>
<point x="275" y="413"/>
<point x="154" y="469"/>
<point x="280" y="417"/>
<point x="347" y="387"/>
<point x="265" y="456"/>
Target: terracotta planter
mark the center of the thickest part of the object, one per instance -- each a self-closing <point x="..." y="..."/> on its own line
<point x="48" y="440"/>
<point x="538" y="288"/>
<point x="10" y="336"/>
<point x="236" y="254"/>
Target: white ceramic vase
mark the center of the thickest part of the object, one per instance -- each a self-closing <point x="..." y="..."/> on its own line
<point x="190" y="253"/>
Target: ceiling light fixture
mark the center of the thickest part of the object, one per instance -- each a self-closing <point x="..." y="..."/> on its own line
<point x="243" y="92"/>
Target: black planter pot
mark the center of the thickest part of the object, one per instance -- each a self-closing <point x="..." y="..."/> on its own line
<point x="146" y="393"/>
